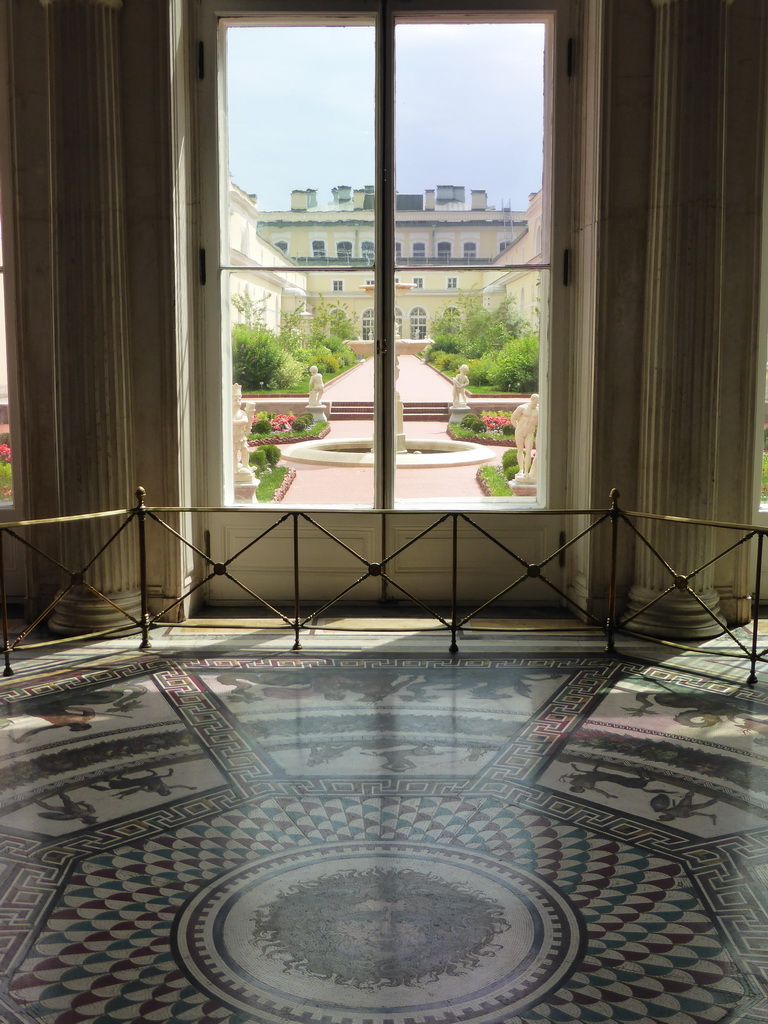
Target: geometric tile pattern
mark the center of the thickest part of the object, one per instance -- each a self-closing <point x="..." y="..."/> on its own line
<point x="383" y="840"/>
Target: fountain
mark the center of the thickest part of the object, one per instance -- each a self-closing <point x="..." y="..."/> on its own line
<point x="413" y="453"/>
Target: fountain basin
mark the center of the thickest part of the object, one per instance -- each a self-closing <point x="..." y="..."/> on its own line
<point x="420" y="453"/>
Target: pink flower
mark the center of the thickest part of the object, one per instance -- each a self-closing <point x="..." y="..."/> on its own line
<point x="282" y="421"/>
<point x="495" y="421"/>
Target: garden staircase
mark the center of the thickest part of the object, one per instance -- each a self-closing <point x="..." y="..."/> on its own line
<point x="411" y="411"/>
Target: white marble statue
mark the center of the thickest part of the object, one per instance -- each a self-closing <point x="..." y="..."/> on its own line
<point x="525" y="420"/>
<point x="460" y="382"/>
<point x="316" y="386"/>
<point x="241" y="428"/>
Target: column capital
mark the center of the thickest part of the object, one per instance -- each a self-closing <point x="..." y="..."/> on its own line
<point x="114" y="4"/>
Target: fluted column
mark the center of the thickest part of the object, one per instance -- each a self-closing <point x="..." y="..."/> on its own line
<point x="92" y="416"/>
<point x="679" y="456"/>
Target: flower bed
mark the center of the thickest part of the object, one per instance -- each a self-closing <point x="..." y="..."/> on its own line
<point x="502" y="440"/>
<point x="492" y="482"/>
<point x="254" y="442"/>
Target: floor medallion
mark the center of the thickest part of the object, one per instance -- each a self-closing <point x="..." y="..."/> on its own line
<point x="387" y="931"/>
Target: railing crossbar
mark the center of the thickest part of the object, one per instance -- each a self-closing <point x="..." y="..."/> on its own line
<point x="419" y="536"/>
<point x="334" y="538"/>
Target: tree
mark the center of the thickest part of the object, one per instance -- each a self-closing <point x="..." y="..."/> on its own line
<point x="259" y="360"/>
<point x="265" y="359"/>
<point x="498" y="344"/>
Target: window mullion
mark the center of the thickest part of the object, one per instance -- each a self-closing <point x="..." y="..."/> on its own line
<point x="384" y="222"/>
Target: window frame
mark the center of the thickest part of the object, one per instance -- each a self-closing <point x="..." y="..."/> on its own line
<point x="558" y="188"/>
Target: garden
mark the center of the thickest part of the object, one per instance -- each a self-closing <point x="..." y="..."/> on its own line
<point x="499" y="346"/>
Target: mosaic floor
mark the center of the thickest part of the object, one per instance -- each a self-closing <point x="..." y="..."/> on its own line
<point x="204" y="834"/>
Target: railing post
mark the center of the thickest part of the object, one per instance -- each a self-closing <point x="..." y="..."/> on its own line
<point x="141" y="516"/>
<point x="610" y="625"/>
<point x="755" y="611"/>
<point x="296" y="599"/>
<point x="7" y="671"/>
<point x="454" y="583"/>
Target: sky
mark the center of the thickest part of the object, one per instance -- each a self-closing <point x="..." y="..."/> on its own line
<point x="469" y="109"/>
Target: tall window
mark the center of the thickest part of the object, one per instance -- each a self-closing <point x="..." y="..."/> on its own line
<point x="418" y="323"/>
<point x="277" y="144"/>
<point x="367" y="325"/>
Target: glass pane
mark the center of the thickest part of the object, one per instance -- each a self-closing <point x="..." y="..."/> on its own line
<point x="471" y="260"/>
<point x="300" y="115"/>
<point x="303" y="360"/>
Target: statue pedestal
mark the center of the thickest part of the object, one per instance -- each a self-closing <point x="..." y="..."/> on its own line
<point x="318" y="413"/>
<point x="245" y="494"/>
<point x="245" y="486"/>
<point x="524" y="485"/>
<point x="458" y="412"/>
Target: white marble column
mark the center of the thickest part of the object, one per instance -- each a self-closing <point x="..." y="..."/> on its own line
<point x="682" y="344"/>
<point x="93" y="405"/>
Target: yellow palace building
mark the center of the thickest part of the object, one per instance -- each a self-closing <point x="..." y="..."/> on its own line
<point x="447" y="241"/>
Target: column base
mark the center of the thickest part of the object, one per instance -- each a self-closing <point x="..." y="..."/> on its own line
<point x="82" y="612"/>
<point x="677" y="616"/>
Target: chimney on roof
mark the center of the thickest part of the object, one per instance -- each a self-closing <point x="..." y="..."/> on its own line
<point x="450" y="193"/>
<point x="358" y="198"/>
<point x="479" y="199"/>
<point x="429" y="199"/>
<point x="342" y="193"/>
<point x="303" y="198"/>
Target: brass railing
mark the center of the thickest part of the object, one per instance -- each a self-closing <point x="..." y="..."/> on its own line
<point x="742" y="643"/>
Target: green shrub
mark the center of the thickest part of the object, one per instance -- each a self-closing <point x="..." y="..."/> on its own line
<point x="256" y="358"/>
<point x="509" y="465"/>
<point x="508" y="429"/>
<point x="258" y="459"/>
<point x="517" y="366"/>
<point x="272" y="453"/>
<point x="261" y="427"/>
<point x="481" y="371"/>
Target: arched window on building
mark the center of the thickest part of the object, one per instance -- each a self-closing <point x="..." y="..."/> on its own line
<point x="470" y="250"/>
<point x="418" y="323"/>
<point x="367" y="324"/>
<point x="367" y="251"/>
<point x="344" y="250"/>
<point x="419" y="250"/>
<point x="318" y="249"/>
<point x="282" y="246"/>
<point x="444" y="250"/>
